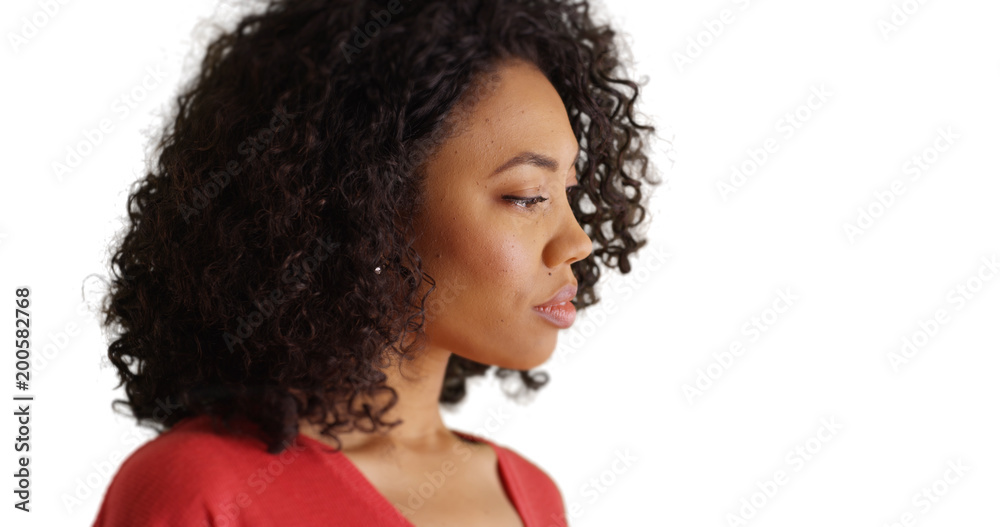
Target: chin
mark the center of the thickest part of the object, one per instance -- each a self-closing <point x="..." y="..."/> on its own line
<point x="519" y="357"/>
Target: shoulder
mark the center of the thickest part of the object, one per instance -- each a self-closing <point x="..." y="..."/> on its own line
<point x="528" y="483"/>
<point x="191" y="448"/>
<point x="535" y="481"/>
<point x="178" y="477"/>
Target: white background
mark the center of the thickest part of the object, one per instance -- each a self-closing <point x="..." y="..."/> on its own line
<point x="619" y="375"/>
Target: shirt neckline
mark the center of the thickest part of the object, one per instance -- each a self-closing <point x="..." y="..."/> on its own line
<point x="366" y="487"/>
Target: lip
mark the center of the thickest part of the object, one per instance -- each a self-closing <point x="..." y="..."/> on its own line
<point x="559" y="311"/>
<point x="567" y="292"/>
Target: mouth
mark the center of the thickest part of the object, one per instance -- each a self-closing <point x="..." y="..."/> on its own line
<point x="561" y="315"/>
<point x="559" y="310"/>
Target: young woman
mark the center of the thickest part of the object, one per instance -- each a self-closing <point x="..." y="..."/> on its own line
<point x="356" y="207"/>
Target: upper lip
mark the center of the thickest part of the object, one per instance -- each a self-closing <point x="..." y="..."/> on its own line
<point x="564" y="294"/>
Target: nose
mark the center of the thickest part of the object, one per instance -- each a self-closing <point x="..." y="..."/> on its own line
<point x="570" y="242"/>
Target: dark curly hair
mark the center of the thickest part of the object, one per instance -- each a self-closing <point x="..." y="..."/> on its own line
<point x="242" y="285"/>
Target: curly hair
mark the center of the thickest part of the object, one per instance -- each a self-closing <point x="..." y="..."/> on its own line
<point x="242" y="285"/>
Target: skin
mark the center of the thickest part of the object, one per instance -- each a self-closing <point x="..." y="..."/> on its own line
<point x="493" y="260"/>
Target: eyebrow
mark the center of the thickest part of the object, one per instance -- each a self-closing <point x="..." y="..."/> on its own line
<point x="533" y="159"/>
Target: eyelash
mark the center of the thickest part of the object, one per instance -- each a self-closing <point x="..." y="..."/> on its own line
<point x="529" y="203"/>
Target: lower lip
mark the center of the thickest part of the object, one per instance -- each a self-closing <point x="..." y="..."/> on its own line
<point x="562" y="315"/>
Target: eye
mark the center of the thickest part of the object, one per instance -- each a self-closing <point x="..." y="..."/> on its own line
<point x="526" y="203"/>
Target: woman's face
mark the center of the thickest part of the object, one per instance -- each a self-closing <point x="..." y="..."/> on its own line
<point x="492" y="257"/>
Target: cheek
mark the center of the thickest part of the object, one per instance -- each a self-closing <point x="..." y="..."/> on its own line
<point x="492" y="256"/>
<point x="496" y="302"/>
<point x="503" y="264"/>
<point x="486" y="255"/>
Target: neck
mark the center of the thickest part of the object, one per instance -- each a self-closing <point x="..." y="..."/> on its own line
<point x="417" y="384"/>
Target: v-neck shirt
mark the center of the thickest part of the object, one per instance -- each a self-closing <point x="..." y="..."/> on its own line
<point x="191" y="475"/>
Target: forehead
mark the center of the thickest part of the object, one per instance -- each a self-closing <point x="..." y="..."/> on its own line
<point x="518" y="111"/>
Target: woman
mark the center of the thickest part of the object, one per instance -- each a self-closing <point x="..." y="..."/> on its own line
<point x="356" y="208"/>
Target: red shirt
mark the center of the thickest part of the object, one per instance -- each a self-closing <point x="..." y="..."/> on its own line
<point x="191" y="476"/>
